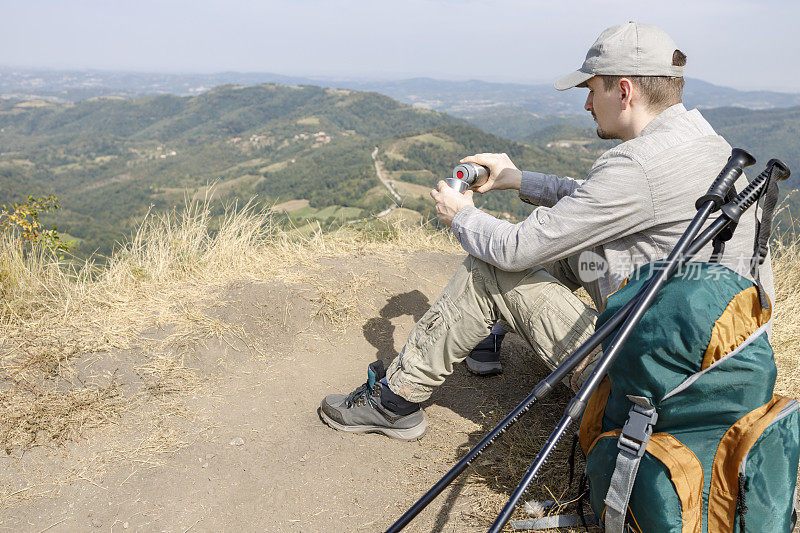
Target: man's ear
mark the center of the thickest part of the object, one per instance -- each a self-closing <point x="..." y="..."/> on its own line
<point x="625" y="92"/>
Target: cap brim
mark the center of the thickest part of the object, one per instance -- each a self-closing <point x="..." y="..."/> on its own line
<point x="573" y="79"/>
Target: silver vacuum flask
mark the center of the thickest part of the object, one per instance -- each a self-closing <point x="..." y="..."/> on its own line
<point x="465" y="175"/>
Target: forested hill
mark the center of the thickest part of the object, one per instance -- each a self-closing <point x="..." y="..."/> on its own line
<point x="111" y="160"/>
<point x="221" y="113"/>
<point x="766" y="133"/>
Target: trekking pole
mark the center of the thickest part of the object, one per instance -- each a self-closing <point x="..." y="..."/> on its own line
<point x="725" y="179"/>
<point x="732" y="211"/>
<point x="712" y="201"/>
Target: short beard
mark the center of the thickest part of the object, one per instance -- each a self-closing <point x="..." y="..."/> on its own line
<point x="603" y="134"/>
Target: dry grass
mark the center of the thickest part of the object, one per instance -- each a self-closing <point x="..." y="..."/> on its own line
<point x="786" y="326"/>
<point x="62" y="415"/>
<point x="341" y="304"/>
<point x="162" y="280"/>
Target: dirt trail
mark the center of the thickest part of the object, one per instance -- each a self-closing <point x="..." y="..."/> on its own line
<point x="243" y="449"/>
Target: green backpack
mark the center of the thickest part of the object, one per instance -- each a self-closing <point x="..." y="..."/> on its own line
<point x="685" y="434"/>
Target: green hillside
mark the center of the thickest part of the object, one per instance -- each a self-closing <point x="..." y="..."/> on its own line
<point x="112" y="160"/>
<point x="765" y="133"/>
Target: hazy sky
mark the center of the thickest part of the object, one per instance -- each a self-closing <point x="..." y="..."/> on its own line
<point x="739" y="43"/>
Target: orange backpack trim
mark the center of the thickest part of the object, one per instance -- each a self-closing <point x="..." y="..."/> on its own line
<point x="624" y="282"/>
<point x="592" y="420"/>
<point x="740" y="319"/>
<point x="686" y="474"/>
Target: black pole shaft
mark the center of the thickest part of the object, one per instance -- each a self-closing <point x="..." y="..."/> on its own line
<point x="675" y="259"/>
<point x="548" y="447"/>
<point x="709" y="233"/>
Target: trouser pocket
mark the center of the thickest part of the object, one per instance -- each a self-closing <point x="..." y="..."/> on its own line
<point x="434" y="323"/>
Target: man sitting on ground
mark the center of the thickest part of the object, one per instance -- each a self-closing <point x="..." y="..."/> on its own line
<point x="635" y="203"/>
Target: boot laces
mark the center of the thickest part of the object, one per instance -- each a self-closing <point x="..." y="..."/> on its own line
<point x="362" y="395"/>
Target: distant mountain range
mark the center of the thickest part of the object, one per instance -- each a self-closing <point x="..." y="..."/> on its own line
<point x="460" y="98"/>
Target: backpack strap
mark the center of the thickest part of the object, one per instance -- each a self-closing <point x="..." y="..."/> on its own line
<point x="763" y="231"/>
<point x="726" y="234"/>
<point x="632" y="444"/>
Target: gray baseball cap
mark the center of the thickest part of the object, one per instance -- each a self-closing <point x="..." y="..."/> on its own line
<point x="631" y="49"/>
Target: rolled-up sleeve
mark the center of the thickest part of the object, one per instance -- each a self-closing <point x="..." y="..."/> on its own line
<point x="612" y="202"/>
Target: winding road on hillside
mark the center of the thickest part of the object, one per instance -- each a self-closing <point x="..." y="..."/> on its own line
<point x="379" y="172"/>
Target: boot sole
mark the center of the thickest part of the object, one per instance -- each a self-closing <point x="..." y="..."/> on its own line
<point x="481" y="368"/>
<point x="412" y="433"/>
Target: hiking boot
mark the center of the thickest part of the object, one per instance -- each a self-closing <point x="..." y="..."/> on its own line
<point x="484" y="359"/>
<point x="374" y="408"/>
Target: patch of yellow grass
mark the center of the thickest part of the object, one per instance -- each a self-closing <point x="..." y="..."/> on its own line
<point x="34" y="103"/>
<point x="786" y="331"/>
<point x="275" y="167"/>
<point x="413" y="190"/>
<point x="341" y="304"/>
<point x="291" y="205"/>
<point x="221" y="188"/>
<point x="402" y="215"/>
<point x="36" y="414"/>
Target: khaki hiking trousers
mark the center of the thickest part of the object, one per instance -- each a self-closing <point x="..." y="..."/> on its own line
<point x="538" y="304"/>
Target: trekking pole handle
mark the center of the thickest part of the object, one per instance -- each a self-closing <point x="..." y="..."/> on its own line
<point x="776" y="170"/>
<point x="726" y="178"/>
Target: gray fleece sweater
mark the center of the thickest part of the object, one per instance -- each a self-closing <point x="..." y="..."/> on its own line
<point x="630" y="210"/>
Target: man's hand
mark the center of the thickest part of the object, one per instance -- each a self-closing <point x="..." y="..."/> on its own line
<point x="503" y="174"/>
<point x="449" y="202"/>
